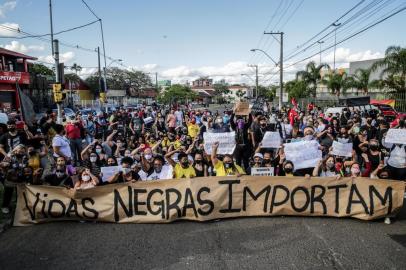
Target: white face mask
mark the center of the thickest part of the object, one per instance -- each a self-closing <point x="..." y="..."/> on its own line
<point x="125" y="170"/>
<point x="93" y="159"/>
<point x="86" y="178"/>
<point x="59" y="174"/>
<point x="308" y="137"/>
<point x="148" y="156"/>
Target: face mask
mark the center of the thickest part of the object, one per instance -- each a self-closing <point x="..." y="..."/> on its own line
<point x="288" y="170"/>
<point x="267" y="161"/>
<point x="127" y="155"/>
<point x="126" y="170"/>
<point x="85" y="178"/>
<point x="12" y="129"/>
<point x="355" y="171"/>
<point x="308" y="137"/>
<point x="198" y="161"/>
<point x="98" y="151"/>
<point x="227" y="165"/>
<point x="330" y="165"/>
<point x="59" y="174"/>
<point x="111" y="164"/>
<point x="93" y="159"/>
<point x="148" y="156"/>
<point x="158" y="169"/>
<point x="185" y="164"/>
<point x="32" y="153"/>
<point x="373" y="147"/>
<point x="19" y="155"/>
<point x="356" y="130"/>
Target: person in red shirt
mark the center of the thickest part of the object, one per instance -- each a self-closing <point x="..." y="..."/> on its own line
<point x="73" y="132"/>
<point x="310" y="107"/>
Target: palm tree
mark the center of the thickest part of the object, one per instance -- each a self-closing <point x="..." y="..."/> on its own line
<point x="76" y="68"/>
<point x="360" y="80"/>
<point x="337" y="82"/>
<point x="311" y="76"/>
<point x="393" y="75"/>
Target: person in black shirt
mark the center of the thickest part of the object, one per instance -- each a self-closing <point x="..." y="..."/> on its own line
<point x="259" y="130"/>
<point x="12" y="138"/>
<point x="59" y="177"/>
<point x="126" y="174"/>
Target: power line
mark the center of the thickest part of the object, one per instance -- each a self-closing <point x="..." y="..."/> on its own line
<point x="57" y="33"/>
<point x="355" y="16"/>
<point x="351" y="36"/>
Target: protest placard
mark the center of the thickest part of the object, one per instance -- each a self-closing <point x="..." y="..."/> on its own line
<point x="164" y="201"/>
<point x="303" y="154"/>
<point x="242" y="108"/>
<point x="271" y="140"/>
<point x="396" y="136"/>
<point x="263" y="171"/>
<point x="342" y="149"/>
<point x="226" y="142"/>
<point x="148" y="120"/>
<point x="109" y="172"/>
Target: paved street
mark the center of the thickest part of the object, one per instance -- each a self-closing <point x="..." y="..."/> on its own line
<point x="248" y="243"/>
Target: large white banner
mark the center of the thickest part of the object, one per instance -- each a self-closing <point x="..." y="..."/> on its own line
<point x="303" y="154"/>
<point x="396" y="136"/>
<point x="226" y="142"/>
<point x="271" y="140"/>
<point x="342" y="149"/>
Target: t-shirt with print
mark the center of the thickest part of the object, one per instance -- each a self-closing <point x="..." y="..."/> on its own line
<point x="9" y="141"/>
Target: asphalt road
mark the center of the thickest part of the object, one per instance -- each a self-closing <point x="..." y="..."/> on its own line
<point x="246" y="243"/>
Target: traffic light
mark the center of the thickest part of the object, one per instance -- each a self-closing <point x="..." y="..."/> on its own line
<point x="59" y="95"/>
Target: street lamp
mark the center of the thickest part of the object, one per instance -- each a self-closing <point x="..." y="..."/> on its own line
<point x="320" y="42"/>
<point x="335" y="43"/>
<point x="267" y="55"/>
<point x="115" y="60"/>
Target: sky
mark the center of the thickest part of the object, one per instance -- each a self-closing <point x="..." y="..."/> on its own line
<point x="185" y="39"/>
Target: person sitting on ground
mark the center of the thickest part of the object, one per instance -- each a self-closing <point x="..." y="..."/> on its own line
<point x="126" y="174"/>
<point x="227" y="166"/>
<point x="182" y="168"/>
<point x="86" y="180"/>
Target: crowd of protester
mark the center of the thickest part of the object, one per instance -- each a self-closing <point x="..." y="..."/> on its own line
<point x="155" y="142"/>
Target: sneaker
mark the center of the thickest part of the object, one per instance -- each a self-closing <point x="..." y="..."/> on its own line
<point x="5" y="210"/>
<point x="387" y="221"/>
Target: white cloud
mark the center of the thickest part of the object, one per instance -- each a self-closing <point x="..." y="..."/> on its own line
<point x="19" y="47"/>
<point x="6" y="7"/>
<point x="6" y="29"/>
<point x="63" y="58"/>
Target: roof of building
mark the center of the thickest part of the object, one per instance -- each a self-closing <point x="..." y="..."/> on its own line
<point x="16" y="54"/>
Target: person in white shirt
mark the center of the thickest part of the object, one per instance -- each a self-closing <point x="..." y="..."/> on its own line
<point x="160" y="171"/>
<point x="60" y="144"/>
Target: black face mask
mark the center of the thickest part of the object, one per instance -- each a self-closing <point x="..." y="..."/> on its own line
<point x="267" y="161"/>
<point x="227" y="165"/>
<point x="12" y="129"/>
<point x="374" y="147"/>
<point x="288" y="170"/>
<point x="32" y="153"/>
<point x="198" y="161"/>
<point x="185" y="164"/>
<point x="19" y="155"/>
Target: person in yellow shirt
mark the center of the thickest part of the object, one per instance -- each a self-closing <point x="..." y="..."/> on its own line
<point x="182" y="168"/>
<point x="227" y="166"/>
<point x="192" y="128"/>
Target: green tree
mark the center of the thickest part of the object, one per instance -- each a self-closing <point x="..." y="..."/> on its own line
<point x="75" y="67"/>
<point x="311" y="76"/>
<point x="296" y="89"/>
<point x="338" y="83"/>
<point x="219" y="91"/>
<point x="72" y="77"/>
<point x="393" y="75"/>
<point x="177" y="93"/>
<point x="266" y="92"/>
<point x="240" y="94"/>
<point x="360" y="80"/>
<point x="40" y="69"/>
<point x="93" y="82"/>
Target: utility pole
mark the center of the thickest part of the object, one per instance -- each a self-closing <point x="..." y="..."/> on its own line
<point x="256" y="79"/>
<point x="55" y="54"/>
<point x="280" y="65"/>
<point x="57" y="76"/>
<point x="156" y="81"/>
<point x="99" y="70"/>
